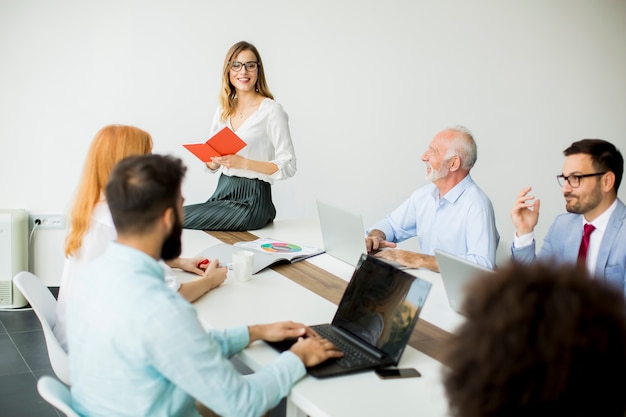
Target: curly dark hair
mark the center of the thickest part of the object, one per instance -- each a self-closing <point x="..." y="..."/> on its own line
<point x="540" y="339"/>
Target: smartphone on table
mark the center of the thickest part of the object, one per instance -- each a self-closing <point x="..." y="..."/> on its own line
<point x="390" y="373"/>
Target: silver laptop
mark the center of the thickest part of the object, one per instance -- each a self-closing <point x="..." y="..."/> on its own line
<point x="456" y="272"/>
<point x="374" y="319"/>
<point x="343" y="234"/>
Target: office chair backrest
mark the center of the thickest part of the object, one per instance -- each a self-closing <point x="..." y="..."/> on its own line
<point x="44" y="304"/>
<point x="57" y="394"/>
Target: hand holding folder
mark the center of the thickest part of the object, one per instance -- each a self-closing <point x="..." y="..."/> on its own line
<point x="224" y="142"/>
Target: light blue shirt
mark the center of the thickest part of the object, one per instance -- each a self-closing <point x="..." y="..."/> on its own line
<point x="462" y="222"/>
<point x="136" y="348"/>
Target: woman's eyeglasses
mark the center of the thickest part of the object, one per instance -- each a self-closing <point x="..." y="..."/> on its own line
<point x="250" y="65"/>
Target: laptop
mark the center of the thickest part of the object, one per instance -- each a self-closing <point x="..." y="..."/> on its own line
<point x="343" y="234"/>
<point x="456" y="272"/>
<point x="374" y="320"/>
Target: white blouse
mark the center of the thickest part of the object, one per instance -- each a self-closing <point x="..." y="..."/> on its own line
<point x="266" y="133"/>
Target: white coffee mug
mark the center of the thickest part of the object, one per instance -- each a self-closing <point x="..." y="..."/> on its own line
<point x="242" y="262"/>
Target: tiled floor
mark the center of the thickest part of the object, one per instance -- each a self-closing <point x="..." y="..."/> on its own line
<point x="24" y="358"/>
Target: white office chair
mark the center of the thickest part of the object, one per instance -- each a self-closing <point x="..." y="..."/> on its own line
<point x="57" y="394"/>
<point x="45" y="306"/>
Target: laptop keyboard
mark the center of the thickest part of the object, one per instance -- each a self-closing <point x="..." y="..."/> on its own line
<point x="351" y="355"/>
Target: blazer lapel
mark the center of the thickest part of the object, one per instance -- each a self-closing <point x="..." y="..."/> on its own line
<point x="608" y="240"/>
<point x="574" y="234"/>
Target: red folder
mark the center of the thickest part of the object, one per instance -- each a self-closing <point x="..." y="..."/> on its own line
<point x="224" y="142"/>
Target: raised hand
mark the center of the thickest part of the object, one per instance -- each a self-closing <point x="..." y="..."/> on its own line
<point x="525" y="212"/>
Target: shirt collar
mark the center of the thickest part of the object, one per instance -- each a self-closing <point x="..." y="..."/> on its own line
<point x="456" y="191"/>
<point x="602" y="220"/>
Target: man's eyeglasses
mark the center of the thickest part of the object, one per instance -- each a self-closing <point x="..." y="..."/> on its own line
<point x="574" y="180"/>
<point x="250" y="65"/>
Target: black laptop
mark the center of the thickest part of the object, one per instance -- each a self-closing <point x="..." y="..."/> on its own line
<point x="374" y="320"/>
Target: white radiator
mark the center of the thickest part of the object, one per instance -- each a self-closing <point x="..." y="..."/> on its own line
<point x="13" y="255"/>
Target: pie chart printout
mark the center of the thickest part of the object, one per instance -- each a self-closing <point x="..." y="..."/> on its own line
<point x="280" y="247"/>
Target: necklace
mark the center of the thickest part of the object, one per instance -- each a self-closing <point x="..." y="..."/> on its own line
<point x="244" y="111"/>
<point x="254" y="105"/>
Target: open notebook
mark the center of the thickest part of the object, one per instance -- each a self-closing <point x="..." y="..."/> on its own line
<point x="374" y="320"/>
<point x="267" y="252"/>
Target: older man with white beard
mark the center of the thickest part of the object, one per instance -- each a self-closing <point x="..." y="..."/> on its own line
<point x="451" y="213"/>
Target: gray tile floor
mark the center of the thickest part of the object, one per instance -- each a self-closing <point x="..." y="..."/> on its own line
<point x="24" y="358"/>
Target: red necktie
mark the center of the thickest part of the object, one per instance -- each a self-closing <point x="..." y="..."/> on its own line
<point x="584" y="244"/>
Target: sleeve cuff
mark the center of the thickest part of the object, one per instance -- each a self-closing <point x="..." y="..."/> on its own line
<point x="294" y="363"/>
<point x="212" y="171"/>
<point x="524" y="240"/>
<point x="170" y="279"/>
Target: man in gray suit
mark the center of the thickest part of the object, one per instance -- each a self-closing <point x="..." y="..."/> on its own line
<point x="593" y="231"/>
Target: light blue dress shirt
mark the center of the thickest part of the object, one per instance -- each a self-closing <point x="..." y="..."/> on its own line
<point x="136" y="348"/>
<point x="462" y="222"/>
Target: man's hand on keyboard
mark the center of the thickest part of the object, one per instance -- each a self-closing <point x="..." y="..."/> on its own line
<point x="314" y="350"/>
<point x="275" y="332"/>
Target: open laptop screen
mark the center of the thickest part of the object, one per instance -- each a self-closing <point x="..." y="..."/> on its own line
<point x="381" y="305"/>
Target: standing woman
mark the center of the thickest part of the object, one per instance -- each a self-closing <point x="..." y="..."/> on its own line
<point x="243" y="197"/>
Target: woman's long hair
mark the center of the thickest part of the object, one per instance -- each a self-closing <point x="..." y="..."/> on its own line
<point x="112" y="144"/>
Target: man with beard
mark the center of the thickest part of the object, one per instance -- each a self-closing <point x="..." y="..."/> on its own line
<point x="136" y="348"/>
<point x="593" y="231"/>
<point x="451" y="213"/>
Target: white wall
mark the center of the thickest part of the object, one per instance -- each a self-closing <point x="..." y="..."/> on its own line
<point x="366" y="85"/>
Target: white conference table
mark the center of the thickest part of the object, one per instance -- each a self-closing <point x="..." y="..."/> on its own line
<point x="271" y="297"/>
